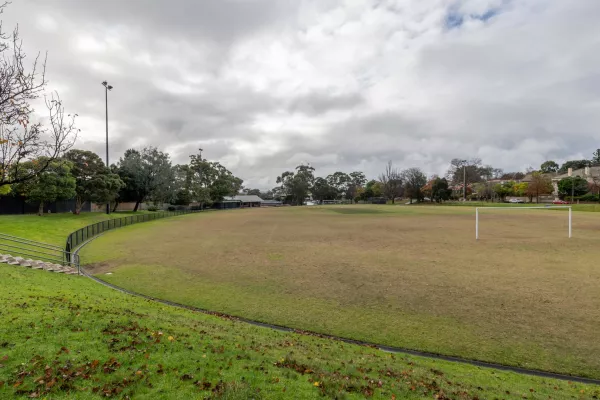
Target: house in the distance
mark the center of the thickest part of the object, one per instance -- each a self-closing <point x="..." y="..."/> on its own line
<point x="246" y="200"/>
<point x="590" y="174"/>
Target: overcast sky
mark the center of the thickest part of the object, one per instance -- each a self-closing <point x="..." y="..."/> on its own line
<point x="263" y="85"/>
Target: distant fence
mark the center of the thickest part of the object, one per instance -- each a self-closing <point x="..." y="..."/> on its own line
<point x="87" y="232"/>
<point x="18" y="205"/>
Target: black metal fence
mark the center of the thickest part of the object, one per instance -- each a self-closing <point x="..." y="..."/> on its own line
<point x="81" y="235"/>
<point x="18" y="205"/>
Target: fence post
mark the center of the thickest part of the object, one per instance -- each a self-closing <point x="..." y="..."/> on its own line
<point x="68" y="247"/>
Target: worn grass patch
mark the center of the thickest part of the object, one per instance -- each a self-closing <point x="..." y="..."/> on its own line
<point x="407" y="276"/>
<point x="64" y="337"/>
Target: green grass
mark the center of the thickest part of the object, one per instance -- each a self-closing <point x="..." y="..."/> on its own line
<point x="51" y="228"/>
<point x="64" y="337"/>
<point x="405" y="276"/>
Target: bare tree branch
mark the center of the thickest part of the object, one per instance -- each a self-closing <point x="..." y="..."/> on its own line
<point x="20" y="139"/>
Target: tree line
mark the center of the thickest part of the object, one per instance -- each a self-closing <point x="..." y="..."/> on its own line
<point x="145" y="175"/>
<point x="464" y="179"/>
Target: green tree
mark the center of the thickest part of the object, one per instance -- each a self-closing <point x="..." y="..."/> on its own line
<point x="339" y="182"/>
<point x="575" y="164"/>
<point x="295" y="185"/>
<point x="182" y="185"/>
<point x="504" y="189"/>
<point x="94" y="182"/>
<point x="414" y="179"/>
<point x="483" y="191"/>
<point x="372" y="189"/>
<point x="549" y="166"/>
<point x="575" y="185"/>
<point x="440" y="190"/>
<point x="322" y="190"/>
<point x="520" y="189"/>
<point x="596" y="157"/>
<point x="357" y="181"/>
<point x="211" y="181"/>
<point x="147" y="174"/>
<point x="54" y="183"/>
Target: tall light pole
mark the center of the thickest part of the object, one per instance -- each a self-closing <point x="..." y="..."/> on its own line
<point x="107" y="87"/>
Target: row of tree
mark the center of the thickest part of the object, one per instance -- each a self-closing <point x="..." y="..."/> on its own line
<point x="298" y="185"/>
<point x="145" y="175"/>
<point x="464" y="178"/>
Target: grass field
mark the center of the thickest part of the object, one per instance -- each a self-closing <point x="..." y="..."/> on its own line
<point x="65" y="337"/>
<point x="407" y="276"/>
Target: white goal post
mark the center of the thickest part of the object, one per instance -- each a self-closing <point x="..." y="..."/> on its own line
<point x="518" y="208"/>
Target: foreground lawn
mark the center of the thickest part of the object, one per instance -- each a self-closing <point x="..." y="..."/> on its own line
<point x="69" y="337"/>
<point x="51" y="228"/>
<point x="406" y="276"/>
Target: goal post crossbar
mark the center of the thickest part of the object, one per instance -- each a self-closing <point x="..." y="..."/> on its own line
<point x="519" y="208"/>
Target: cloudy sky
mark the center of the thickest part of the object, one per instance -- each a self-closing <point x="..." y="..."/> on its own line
<point x="263" y="85"/>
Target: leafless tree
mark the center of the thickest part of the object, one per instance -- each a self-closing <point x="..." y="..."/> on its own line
<point x="391" y="182"/>
<point x="21" y="139"/>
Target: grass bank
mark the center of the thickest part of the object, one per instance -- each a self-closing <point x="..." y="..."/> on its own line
<point x="64" y="337"/>
<point x="51" y="228"/>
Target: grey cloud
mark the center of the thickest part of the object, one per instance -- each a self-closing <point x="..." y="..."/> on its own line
<point x="321" y="102"/>
<point x="221" y="21"/>
<point x="515" y="89"/>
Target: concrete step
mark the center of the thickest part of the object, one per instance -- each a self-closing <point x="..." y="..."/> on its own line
<point x="36" y="264"/>
<point x="13" y="260"/>
<point x="26" y="263"/>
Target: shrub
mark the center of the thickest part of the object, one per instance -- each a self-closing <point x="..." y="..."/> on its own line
<point x="588" y="197"/>
<point x="172" y="208"/>
<point x="152" y="208"/>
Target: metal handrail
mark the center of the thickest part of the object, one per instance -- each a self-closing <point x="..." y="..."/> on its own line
<point x="38" y="252"/>
<point x="43" y="258"/>
<point x="29" y="242"/>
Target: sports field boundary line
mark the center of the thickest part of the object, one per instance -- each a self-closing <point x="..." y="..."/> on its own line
<point x="386" y="348"/>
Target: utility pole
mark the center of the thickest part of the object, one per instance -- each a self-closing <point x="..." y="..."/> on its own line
<point x="465" y="182"/>
<point x="107" y="87"/>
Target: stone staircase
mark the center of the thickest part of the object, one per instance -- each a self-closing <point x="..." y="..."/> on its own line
<point x="35" y="264"/>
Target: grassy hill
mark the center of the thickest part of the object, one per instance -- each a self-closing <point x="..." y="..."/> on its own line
<point x="69" y="337"/>
<point x="51" y="228"/>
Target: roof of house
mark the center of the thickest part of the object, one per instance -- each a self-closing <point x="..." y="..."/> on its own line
<point x="593" y="171"/>
<point x="246" y="198"/>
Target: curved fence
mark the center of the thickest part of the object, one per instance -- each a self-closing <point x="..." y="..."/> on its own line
<point x="87" y="232"/>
